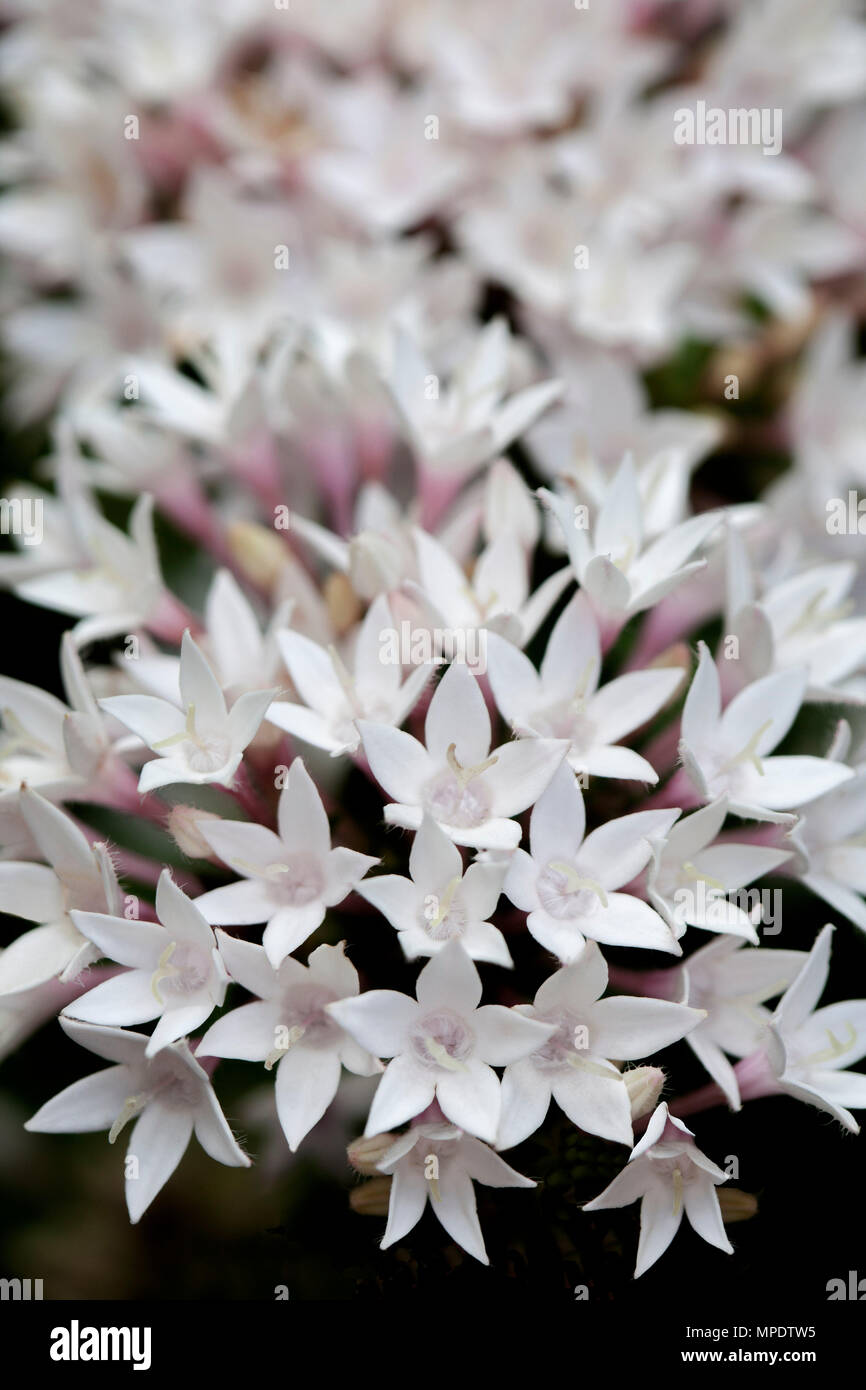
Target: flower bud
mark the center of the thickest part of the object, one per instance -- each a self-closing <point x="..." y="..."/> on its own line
<point x="183" y="829"/>
<point x="372" y="1197"/>
<point x="374" y="564"/>
<point x="736" y="1205"/>
<point x="258" y="551"/>
<point x="366" y="1154"/>
<point x="644" y="1086"/>
<point x="341" y="601"/>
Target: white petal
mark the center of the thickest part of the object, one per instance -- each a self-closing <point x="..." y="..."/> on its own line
<point x="404" y="1092"/>
<point x="399" y="762"/>
<point x="627" y="1028"/>
<point x="504" y="1035"/>
<point x="87" y="1105"/>
<point x="38" y="956"/>
<point x="307" y="1081"/>
<point x="457" y="1211"/>
<point x="470" y="1099"/>
<point x="199" y="687"/>
<point x="525" y="1099"/>
<point x="660" y="1218"/>
<point x="458" y="715"/>
<point x="597" y="1104"/>
<point x="125" y="999"/>
<point x="450" y="980"/>
<point x="31" y="891"/>
<point x="557" y="822"/>
<point x="702" y="1210"/>
<point x="406" y="1203"/>
<point x="302" y="819"/>
<point x="248" y="1033"/>
<point x="127" y="941"/>
<point x="379" y="1020"/>
<point x="631" y="700"/>
<point x="521" y="772"/>
<point x="158" y="1141"/>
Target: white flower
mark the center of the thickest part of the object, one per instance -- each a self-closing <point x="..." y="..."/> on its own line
<point x="55" y="747"/>
<point x="290" y="878"/>
<point x="169" y="1096"/>
<point x="287" y="1027"/>
<point x="454" y="430"/>
<point x="201" y="742"/>
<point x="443" y="1047"/>
<point x="606" y="414"/>
<point x="242" y="656"/>
<point x="470" y="791"/>
<point x="830" y="852"/>
<point x="439" y="1162"/>
<point x="801" y="621"/>
<point x="725" y="754"/>
<point x="117" y="587"/>
<point x="176" y="973"/>
<point x="566" y="883"/>
<point x="439" y="902"/>
<point x="808" y="1049"/>
<point x="690" y="876"/>
<point x="336" y="697"/>
<point x="80" y="876"/>
<point x="731" y="982"/>
<point x="496" y="599"/>
<point x="562" y="699"/>
<point x="382" y="171"/>
<point x="620" y="575"/>
<point x="670" y="1175"/>
<point x="573" y="1065"/>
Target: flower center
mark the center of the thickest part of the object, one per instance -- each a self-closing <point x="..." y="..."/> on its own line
<point x="444" y="917"/>
<point x="565" y="893"/>
<point x="303" y="1017"/>
<point x="454" y="802"/>
<point x="182" y="969"/>
<point x="298" y="878"/>
<point x="442" y="1040"/>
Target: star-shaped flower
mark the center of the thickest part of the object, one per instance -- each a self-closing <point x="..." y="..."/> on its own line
<point x="439" y="902"/>
<point x="471" y="792"/>
<point x="337" y="697"/>
<point x="438" y="1162"/>
<point x="830" y="853"/>
<point x="498" y="597"/>
<point x="730" y="982"/>
<point x="726" y="754"/>
<point x="80" y="875"/>
<point x="671" y="1176"/>
<point x="202" y="742"/>
<point x="573" y="1066"/>
<point x="176" y="973"/>
<point x="443" y="1046"/>
<point x="563" y="700"/>
<point x="689" y="876"/>
<point x="290" y="878"/>
<point x="620" y="576"/>
<point x="808" y="1048"/>
<point x="567" y="884"/>
<point x="287" y="1027"/>
<point x="169" y="1096"/>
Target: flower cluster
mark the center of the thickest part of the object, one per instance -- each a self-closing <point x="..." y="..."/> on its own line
<point x="343" y="324"/>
